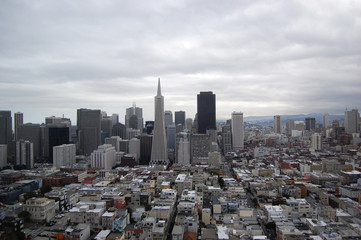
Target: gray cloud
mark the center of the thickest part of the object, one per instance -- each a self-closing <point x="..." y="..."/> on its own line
<point x="262" y="58"/>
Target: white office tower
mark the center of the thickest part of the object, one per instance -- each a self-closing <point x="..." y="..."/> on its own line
<point x="114" y="141"/>
<point x="326" y="120"/>
<point x="351" y="121"/>
<point x="277" y="124"/>
<point x="316" y="141"/>
<point x="3" y="155"/>
<point x="183" y="152"/>
<point x="237" y="131"/>
<point x="103" y="157"/>
<point x="25" y="154"/>
<point x="159" y="154"/>
<point x="115" y="118"/>
<point x="168" y="118"/>
<point x="64" y="155"/>
<point x="134" y="148"/>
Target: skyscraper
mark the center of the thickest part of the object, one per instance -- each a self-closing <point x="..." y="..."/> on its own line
<point x="159" y="147"/>
<point x="206" y="112"/>
<point x="3" y="155"/>
<point x="134" y="117"/>
<point x="351" y="121"/>
<point x="237" y="131"/>
<point x="32" y="133"/>
<point x="326" y="120"/>
<point x="180" y="118"/>
<point x="18" y="120"/>
<point x="310" y="123"/>
<point x="168" y="118"/>
<point x="24" y="154"/>
<point x="5" y="128"/>
<point x="277" y="124"/>
<point x="89" y="128"/>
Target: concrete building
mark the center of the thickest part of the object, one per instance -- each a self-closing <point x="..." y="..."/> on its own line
<point x="41" y="209"/>
<point x="78" y="232"/>
<point x="159" y="147"/>
<point x="326" y="120"/>
<point x="134" y="148"/>
<point x="237" y="131"/>
<point x="64" y="155"/>
<point x="277" y="124"/>
<point x="189" y="124"/>
<point x="89" y="129"/>
<point x="32" y="132"/>
<point x="114" y="141"/>
<point x="89" y="213"/>
<point x="103" y="157"/>
<point x="171" y="136"/>
<point x="290" y="125"/>
<point x="316" y="141"/>
<point x="200" y="147"/>
<point x="352" y="121"/>
<point x="25" y="154"/>
<point x="206" y="112"/>
<point x="183" y="154"/>
<point x="6" y="129"/>
<point x="107" y="126"/>
<point x="18" y="120"/>
<point x="168" y="118"/>
<point x="3" y="155"/>
<point x="119" y="130"/>
<point x="134" y="117"/>
<point x="115" y="118"/>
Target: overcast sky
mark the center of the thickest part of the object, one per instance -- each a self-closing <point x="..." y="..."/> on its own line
<point x="258" y="57"/>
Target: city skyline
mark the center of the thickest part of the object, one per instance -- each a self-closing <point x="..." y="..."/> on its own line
<point x="261" y="58"/>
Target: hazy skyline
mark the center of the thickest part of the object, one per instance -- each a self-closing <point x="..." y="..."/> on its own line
<point x="259" y="57"/>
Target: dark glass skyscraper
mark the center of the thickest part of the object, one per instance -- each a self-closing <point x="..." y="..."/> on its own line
<point x="89" y="127"/>
<point x="180" y="118"/>
<point x="206" y="111"/>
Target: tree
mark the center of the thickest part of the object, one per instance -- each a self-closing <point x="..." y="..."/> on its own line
<point x="45" y="189"/>
<point x="25" y="214"/>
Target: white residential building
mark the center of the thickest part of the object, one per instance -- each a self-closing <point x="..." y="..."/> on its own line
<point x="316" y="141"/>
<point x="103" y="157"/>
<point x="88" y="212"/>
<point x="64" y="155"/>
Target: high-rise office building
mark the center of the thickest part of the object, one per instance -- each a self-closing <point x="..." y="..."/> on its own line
<point x="206" y="112"/>
<point x="149" y="125"/>
<point x="18" y="120"/>
<point x="290" y="125"/>
<point x="200" y="147"/>
<point x="3" y="155"/>
<point x="114" y="141"/>
<point x="115" y="118"/>
<point x="134" y="148"/>
<point x="183" y="153"/>
<point x="237" y="131"/>
<point x="107" y="126"/>
<point x="189" y="124"/>
<point x="326" y="120"/>
<point x="310" y="123"/>
<point x="54" y="135"/>
<point x="277" y="124"/>
<point x="171" y="136"/>
<point x="180" y="118"/>
<point x="32" y="133"/>
<point x="159" y="145"/>
<point x="5" y="128"/>
<point x="25" y="154"/>
<point x="316" y="141"/>
<point x="134" y="117"/>
<point x="351" y="121"/>
<point x="89" y="129"/>
<point x="145" y="148"/>
<point x="119" y="130"/>
<point x="168" y="118"/>
<point x="64" y="155"/>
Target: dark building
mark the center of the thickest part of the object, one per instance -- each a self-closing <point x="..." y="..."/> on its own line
<point x="206" y="111"/>
<point x="32" y="132"/>
<point x="6" y="128"/>
<point x="89" y="129"/>
<point x="180" y="118"/>
<point x="133" y="122"/>
<point x="145" y="149"/>
<point x="149" y="126"/>
<point x="119" y="130"/>
<point x="310" y="123"/>
<point x="55" y="135"/>
<point x="107" y="125"/>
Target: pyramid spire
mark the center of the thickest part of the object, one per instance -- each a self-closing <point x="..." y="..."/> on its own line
<point x="159" y="93"/>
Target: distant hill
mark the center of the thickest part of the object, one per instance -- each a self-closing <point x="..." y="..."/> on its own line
<point x="298" y="117"/>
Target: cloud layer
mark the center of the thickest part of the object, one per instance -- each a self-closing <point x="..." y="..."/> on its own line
<point x="258" y="57"/>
